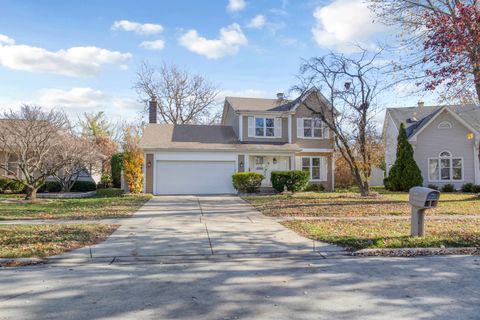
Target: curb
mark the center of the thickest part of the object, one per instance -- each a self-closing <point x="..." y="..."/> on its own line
<point x="413" y="252"/>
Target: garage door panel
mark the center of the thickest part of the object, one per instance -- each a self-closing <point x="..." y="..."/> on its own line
<point x="194" y="177"/>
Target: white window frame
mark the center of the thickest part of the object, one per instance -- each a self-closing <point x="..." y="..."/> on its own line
<point x="439" y="175"/>
<point x="264" y="127"/>
<point x="444" y="125"/>
<point x="323" y="128"/>
<point x="321" y="159"/>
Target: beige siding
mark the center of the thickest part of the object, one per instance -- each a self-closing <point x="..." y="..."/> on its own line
<point x="149" y="173"/>
<point x="431" y="141"/>
<point x="283" y="138"/>
<point x="304" y="112"/>
<point x="231" y="118"/>
<point x="391" y="135"/>
<point x="328" y="183"/>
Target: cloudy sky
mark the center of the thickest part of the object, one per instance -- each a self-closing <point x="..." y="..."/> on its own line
<point x="83" y="55"/>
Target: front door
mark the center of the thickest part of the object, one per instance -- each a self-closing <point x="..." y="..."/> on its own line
<point x="266" y="164"/>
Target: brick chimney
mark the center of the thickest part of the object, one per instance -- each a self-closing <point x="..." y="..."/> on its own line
<point x="280" y="96"/>
<point x="152" y="111"/>
<point x="421" y="104"/>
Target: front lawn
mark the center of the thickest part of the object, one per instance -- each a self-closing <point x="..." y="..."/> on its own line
<point x="108" y="203"/>
<point x="21" y="241"/>
<point x="331" y="204"/>
<point x="361" y="234"/>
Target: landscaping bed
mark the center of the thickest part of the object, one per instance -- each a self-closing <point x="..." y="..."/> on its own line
<point x="39" y="241"/>
<point x="371" y="234"/>
<point x="107" y="203"/>
<point x="333" y="204"/>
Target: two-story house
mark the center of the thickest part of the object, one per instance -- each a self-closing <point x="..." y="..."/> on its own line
<point x="445" y="139"/>
<point x="255" y="135"/>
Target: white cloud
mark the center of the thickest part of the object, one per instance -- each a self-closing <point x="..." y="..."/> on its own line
<point x="83" y="99"/>
<point x="405" y="88"/>
<point x="153" y="45"/>
<point x="249" y="93"/>
<point x="344" y="23"/>
<point x="140" y="28"/>
<point x="230" y="40"/>
<point x="6" y="40"/>
<point x="236" y="5"/>
<point x="124" y="67"/>
<point x="257" y="22"/>
<point x="75" y="61"/>
<point x="79" y="98"/>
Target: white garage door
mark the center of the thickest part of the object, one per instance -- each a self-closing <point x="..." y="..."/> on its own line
<point x="194" y="177"/>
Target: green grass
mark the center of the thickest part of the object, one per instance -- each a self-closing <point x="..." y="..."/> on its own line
<point x="361" y="234"/>
<point x="21" y="241"/>
<point x="108" y="203"/>
<point x="348" y="204"/>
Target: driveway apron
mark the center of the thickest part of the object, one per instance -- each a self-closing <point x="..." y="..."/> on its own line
<point x="200" y="226"/>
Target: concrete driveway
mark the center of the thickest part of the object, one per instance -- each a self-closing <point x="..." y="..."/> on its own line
<point x="199" y="227"/>
<point x="216" y="258"/>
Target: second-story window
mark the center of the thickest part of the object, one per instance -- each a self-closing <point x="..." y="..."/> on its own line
<point x="264" y="127"/>
<point x="313" y="128"/>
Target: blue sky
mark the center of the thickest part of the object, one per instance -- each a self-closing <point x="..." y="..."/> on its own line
<point x="83" y="55"/>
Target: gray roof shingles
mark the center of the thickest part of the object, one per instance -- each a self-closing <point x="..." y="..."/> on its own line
<point x="469" y="113"/>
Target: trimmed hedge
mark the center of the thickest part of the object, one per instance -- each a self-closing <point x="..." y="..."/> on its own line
<point x="11" y="186"/>
<point x="79" y="186"/>
<point x="248" y="182"/>
<point x="448" y="188"/>
<point x="315" y="187"/>
<point x="293" y="180"/>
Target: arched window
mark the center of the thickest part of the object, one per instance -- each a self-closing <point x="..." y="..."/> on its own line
<point x="444" y="125"/>
<point x="445" y="167"/>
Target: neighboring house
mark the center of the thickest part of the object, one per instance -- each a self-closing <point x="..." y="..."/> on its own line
<point x="255" y="135"/>
<point x="445" y="140"/>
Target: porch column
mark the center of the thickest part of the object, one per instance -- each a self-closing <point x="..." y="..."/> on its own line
<point x="247" y="163"/>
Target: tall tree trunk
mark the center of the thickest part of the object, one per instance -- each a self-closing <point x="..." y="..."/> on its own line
<point x="31" y="193"/>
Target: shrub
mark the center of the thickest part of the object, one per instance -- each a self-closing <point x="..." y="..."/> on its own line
<point x="476" y="188"/>
<point x="53" y="186"/>
<point x="448" y="188"/>
<point x="468" y="187"/>
<point x="84" y="186"/>
<point x="293" y="180"/>
<point x="433" y="186"/>
<point x="248" y="182"/>
<point x="404" y="173"/>
<point x="315" y="187"/>
<point x="116" y="164"/>
<point x="11" y="186"/>
<point x="105" y="181"/>
<point x="4" y="184"/>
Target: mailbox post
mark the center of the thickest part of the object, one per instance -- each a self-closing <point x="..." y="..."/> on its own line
<point x="421" y="199"/>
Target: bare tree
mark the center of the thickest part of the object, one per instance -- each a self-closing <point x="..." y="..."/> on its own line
<point x="77" y="155"/>
<point x="182" y="97"/>
<point x="351" y="86"/>
<point x="33" y="136"/>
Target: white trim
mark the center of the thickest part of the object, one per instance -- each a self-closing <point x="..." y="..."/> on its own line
<point x="323" y="150"/>
<point x="451" y="158"/>
<point x="445" y="125"/>
<point x="154" y="165"/>
<point x="264" y="127"/>
<point x="454" y="115"/>
<point x="289" y="128"/>
<point x="476" y="162"/>
<point x="144" y="168"/>
<point x="240" y="127"/>
<point x="323" y="161"/>
<point x="333" y="172"/>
